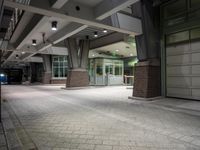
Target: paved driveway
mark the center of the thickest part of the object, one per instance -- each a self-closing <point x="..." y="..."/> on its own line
<point x="101" y="118"/>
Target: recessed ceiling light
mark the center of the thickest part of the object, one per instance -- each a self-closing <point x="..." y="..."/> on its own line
<point x="95" y="34"/>
<point x="54" y="25"/>
<point x="131" y="54"/>
<point x="105" y="31"/>
<point x="34" y="42"/>
<point x="93" y="55"/>
<point x="116" y="50"/>
<point x="17" y="56"/>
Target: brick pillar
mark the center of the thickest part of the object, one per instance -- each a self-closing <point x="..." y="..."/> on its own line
<point x="46" y="79"/>
<point x="147" y="83"/>
<point x="77" y="75"/>
<point x="47" y="74"/>
<point x="77" y="78"/>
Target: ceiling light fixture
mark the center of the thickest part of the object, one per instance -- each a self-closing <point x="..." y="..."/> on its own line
<point x="17" y="56"/>
<point x="23" y="52"/>
<point x="93" y="55"/>
<point x="131" y="54"/>
<point x="34" y="42"/>
<point x="2" y="75"/>
<point x="95" y="34"/>
<point x="116" y="50"/>
<point x="54" y="25"/>
<point x="105" y="31"/>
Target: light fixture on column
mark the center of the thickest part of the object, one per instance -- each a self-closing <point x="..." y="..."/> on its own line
<point x="54" y="25"/>
<point x="95" y="34"/>
<point x="34" y="42"/>
<point x="105" y="31"/>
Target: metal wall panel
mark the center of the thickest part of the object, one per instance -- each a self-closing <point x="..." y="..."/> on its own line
<point x="183" y="70"/>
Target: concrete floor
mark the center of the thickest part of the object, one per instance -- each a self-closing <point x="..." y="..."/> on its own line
<point x="101" y="118"/>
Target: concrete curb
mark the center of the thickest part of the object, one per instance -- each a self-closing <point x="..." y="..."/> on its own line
<point x="10" y="132"/>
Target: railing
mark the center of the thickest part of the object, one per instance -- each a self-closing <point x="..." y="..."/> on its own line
<point x="129" y="80"/>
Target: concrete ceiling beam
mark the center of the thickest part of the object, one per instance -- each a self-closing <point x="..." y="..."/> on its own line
<point x="56" y="13"/>
<point x="109" y="7"/>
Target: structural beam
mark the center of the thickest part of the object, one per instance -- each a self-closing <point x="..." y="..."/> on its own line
<point x="108" y="7"/>
<point x="62" y="15"/>
<point x="57" y="4"/>
<point x="107" y="40"/>
<point x="64" y="33"/>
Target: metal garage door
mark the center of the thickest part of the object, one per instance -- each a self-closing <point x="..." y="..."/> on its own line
<point x="183" y="64"/>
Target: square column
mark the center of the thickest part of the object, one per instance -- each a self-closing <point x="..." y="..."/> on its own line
<point x="147" y="79"/>
<point x="77" y="78"/>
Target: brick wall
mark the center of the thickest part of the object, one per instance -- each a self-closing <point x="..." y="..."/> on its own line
<point x="147" y="81"/>
<point x="58" y="81"/>
<point x="77" y="78"/>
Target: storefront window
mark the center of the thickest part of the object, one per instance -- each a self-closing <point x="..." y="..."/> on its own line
<point x="99" y="70"/>
<point x="59" y="66"/>
<point x="118" y="68"/>
<point x="109" y="69"/>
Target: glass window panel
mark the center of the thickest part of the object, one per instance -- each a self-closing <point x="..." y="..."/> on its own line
<point x="109" y="69"/>
<point x="62" y="72"/>
<point x="175" y="8"/>
<point x="61" y="58"/>
<point x="195" y="33"/>
<point x="178" y="37"/>
<point x="55" y="59"/>
<point x="99" y="70"/>
<point x="118" y="69"/>
<point x="195" y="3"/>
<point x="55" y="72"/>
<point x="59" y="66"/>
<point x="65" y="64"/>
<point x="55" y="64"/>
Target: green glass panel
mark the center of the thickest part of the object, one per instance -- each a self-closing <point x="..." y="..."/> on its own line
<point x="177" y="37"/>
<point x="195" y="33"/>
<point x="195" y="3"/>
<point x="174" y="8"/>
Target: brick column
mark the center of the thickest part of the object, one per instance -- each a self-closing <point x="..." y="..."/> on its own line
<point x="47" y="74"/>
<point x="77" y="78"/>
<point x="46" y="77"/>
<point x="77" y="75"/>
<point x="147" y="79"/>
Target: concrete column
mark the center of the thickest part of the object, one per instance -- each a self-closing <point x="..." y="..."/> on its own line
<point x="147" y="81"/>
<point x="47" y="74"/>
<point x="78" y="61"/>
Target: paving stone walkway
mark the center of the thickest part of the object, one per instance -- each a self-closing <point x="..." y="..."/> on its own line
<point x="3" y="144"/>
<point x="102" y="118"/>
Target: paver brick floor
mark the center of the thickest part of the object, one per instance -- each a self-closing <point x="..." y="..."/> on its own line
<point x="100" y="118"/>
<point x="3" y="144"/>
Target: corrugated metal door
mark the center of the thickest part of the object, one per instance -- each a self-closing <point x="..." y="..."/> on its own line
<point x="183" y="66"/>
